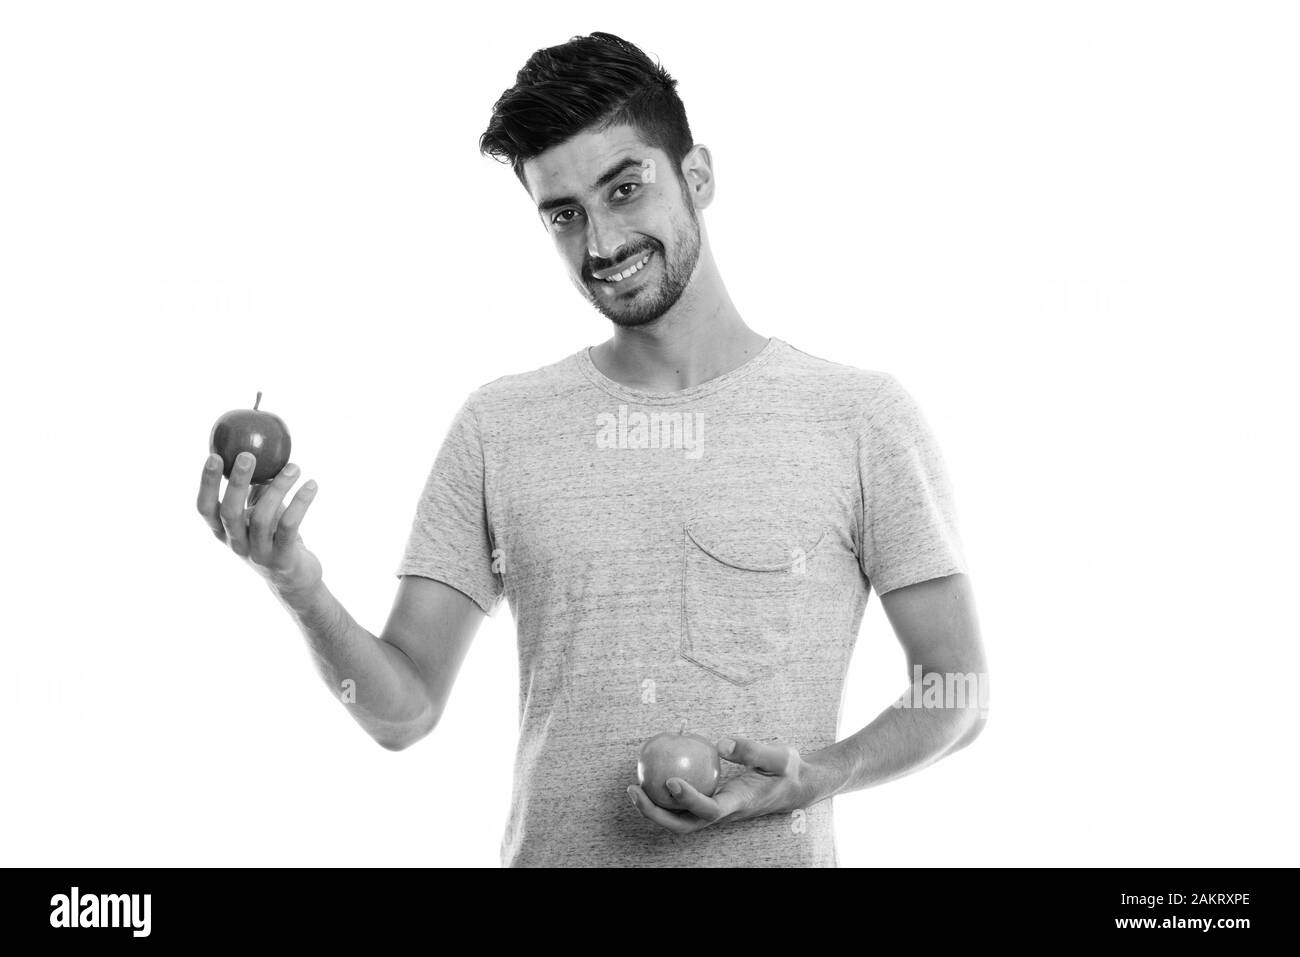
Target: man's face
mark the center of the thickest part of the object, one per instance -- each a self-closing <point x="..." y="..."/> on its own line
<point x="607" y="210"/>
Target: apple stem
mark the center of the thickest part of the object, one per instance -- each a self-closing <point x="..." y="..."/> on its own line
<point x="258" y="402"/>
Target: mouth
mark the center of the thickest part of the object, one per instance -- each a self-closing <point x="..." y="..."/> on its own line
<point x="624" y="271"/>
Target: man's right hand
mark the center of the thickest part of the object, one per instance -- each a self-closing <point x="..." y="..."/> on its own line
<point x="263" y="532"/>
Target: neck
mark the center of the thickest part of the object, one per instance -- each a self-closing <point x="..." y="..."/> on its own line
<point x="700" y="338"/>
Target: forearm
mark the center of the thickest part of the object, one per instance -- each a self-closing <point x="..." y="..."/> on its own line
<point x="899" y="741"/>
<point x="374" y="679"/>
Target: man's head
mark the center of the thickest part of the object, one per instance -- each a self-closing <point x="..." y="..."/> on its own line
<point x="578" y="128"/>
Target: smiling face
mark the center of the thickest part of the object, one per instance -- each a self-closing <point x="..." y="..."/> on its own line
<point x="607" y="210"/>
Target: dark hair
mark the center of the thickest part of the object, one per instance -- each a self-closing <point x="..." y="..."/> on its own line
<point x="592" y="82"/>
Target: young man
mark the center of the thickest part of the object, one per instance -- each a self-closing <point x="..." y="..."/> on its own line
<point x="686" y="521"/>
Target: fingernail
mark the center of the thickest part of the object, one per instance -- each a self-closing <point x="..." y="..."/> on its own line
<point x="213" y="462"/>
<point x="631" y="795"/>
<point x="726" y="746"/>
<point x="291" y="470"/>
<point x="673" y="788"/>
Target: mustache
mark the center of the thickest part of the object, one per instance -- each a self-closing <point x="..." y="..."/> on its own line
<point x="593" y="265"/>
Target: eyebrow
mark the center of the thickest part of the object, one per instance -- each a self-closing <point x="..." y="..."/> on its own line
<point x="605" y="178"/>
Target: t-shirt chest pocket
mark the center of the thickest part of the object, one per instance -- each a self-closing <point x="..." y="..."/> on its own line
<point x="745" y="586"/>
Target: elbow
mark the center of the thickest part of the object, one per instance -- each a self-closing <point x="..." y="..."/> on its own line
<point x="970" y="729"/>
<point x="399" y="739"/>
<point x="973" y="707"/>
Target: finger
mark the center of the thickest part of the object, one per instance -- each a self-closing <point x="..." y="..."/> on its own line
<point x="261" y="526"/>
<point x="734" y="797"/>
<point x="209" y="490"/>
<point x="772" y="758"/>
<point x="683" y="823"/>
<point x="232" y="504"/>
<point x="700" y="805"/>
<point x="248" y="509"/>
<point x="248" y="515"/>
<point x="286" y="529"/>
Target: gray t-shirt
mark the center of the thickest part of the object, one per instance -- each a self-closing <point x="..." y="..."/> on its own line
<point x="702" y="555"/>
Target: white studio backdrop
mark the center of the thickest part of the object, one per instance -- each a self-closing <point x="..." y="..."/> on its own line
<point x="1068" y="229"/>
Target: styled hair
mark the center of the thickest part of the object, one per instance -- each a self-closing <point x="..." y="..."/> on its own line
<point x="589" y="83"/>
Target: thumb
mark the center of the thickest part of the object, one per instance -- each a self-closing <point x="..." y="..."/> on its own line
<point x="772" y="758"/>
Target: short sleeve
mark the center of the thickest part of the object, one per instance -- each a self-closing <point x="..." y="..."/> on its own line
<point x="909" y="519"/>
<point x="450" y="538"/>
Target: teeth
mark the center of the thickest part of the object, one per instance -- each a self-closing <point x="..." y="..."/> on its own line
<point x="635" y="267"/>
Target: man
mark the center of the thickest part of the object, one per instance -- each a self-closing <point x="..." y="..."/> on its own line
<point x="686" y="521"/>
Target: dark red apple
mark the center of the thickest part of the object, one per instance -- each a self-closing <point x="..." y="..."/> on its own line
<point x="264" y="434"/>
<point x="691" y="757"/>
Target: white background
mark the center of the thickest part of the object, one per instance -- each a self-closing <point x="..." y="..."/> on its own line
<point x="1070" y="230"/>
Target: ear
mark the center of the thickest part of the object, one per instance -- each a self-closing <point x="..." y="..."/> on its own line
<point x="697" y="168"/>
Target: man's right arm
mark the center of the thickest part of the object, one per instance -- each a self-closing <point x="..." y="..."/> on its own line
<point x="395" y="685"/>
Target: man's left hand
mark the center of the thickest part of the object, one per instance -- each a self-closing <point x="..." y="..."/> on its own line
<point x="777" y="781"/>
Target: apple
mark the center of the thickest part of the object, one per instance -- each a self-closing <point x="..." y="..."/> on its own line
<point x="691" y="757"/>
<point x="264" y="434"/>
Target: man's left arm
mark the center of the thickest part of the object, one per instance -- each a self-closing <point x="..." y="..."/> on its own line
<point x="944" y="707"/>
<point x="943" y="710"/>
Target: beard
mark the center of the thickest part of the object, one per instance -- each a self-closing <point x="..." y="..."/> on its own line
<point x="654" y="295"/>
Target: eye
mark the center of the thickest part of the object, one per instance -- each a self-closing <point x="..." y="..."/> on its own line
<point x="634" y="186"/>
<point x="556" y="221"/>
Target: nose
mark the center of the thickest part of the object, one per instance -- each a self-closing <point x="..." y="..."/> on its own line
<point x="604" y="240"/>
